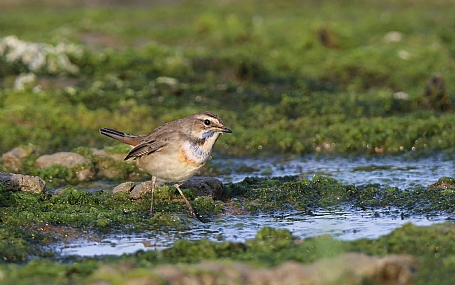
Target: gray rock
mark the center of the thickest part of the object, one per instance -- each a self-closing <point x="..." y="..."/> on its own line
<point x="60" y="191"/>
<point x="207" y="187"/>
<point x="85" y="172"/>
<point x="67" y="159"/>
<point x="140" y="190"/>
<point x="19" y="182"/>
<point x="114" y="156"/>
<point x="13" y="158"/>
<point x="84" y="167"/>
<point x="125" y="187"/>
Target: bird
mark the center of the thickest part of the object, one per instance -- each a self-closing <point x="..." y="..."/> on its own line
<point x="174" y="151"/>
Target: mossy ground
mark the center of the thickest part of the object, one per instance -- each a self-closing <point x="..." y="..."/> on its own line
<point x="294" y="78"/>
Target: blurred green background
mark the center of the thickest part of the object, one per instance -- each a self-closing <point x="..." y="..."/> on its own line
<point x="292" y="77"/>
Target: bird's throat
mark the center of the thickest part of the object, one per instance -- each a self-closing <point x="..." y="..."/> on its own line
<point x="199" y="151"/>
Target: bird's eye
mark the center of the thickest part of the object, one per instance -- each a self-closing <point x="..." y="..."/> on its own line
<point x="207" y="122"/>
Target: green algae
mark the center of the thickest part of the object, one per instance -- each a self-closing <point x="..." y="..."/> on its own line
<point x="58" y="175"/>
<point x="269" y="195"/>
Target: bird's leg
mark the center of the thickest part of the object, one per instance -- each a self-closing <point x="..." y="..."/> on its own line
<point x="186" y="201"/>
<point x="152" y="212"/>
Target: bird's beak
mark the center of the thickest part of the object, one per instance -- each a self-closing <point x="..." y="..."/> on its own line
<point x="225" y="130"/>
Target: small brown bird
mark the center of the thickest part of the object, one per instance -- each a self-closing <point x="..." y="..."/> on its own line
<point x="174" y="151"/>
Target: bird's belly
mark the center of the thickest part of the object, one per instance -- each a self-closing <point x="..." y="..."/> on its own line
<point x="168" y="168"/>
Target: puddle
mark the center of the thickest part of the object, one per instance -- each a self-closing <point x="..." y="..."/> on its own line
<point x="394" y="171"/>
<point x="343" y="223"/>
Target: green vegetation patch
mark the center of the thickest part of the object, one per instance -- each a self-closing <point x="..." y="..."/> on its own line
<point x="269" y="195"/>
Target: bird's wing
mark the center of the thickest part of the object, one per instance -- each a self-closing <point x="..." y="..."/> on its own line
<point x="152" y="143"/>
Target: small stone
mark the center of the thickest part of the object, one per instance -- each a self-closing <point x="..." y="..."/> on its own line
<point x="19" y="182"/>
<point x="60" y="191"/>
<point x="393" y="37"/>
<point x="140" y="190"/>
<point x="13" y="158"/>
<point x="208" y="187"/>
<point x="66" y="159"/>
<point x="125" y="187"/>
<point x="85" y="167"/>
<point x="85" y="173"/>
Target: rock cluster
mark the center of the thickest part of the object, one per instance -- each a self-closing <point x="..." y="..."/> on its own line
<point x="82" y="166"/>
<point x="107" y="166"/>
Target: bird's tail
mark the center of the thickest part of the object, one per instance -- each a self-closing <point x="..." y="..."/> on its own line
<point x="121" y="136"/>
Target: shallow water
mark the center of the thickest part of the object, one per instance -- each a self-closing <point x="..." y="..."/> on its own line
<point x="341" y="223"/>
<point x="398" y="172"/>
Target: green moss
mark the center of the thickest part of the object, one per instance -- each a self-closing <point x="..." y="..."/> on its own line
<point x="326" y="192"/>
<point x="58" y="175"/>
<point x="269" y="240"/>
<point x="29" y="166"/>
<point x="81" y="209"/>
<point x="19" y="245"/>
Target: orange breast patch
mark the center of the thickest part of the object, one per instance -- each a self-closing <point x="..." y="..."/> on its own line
<point x="185" y="158"/>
